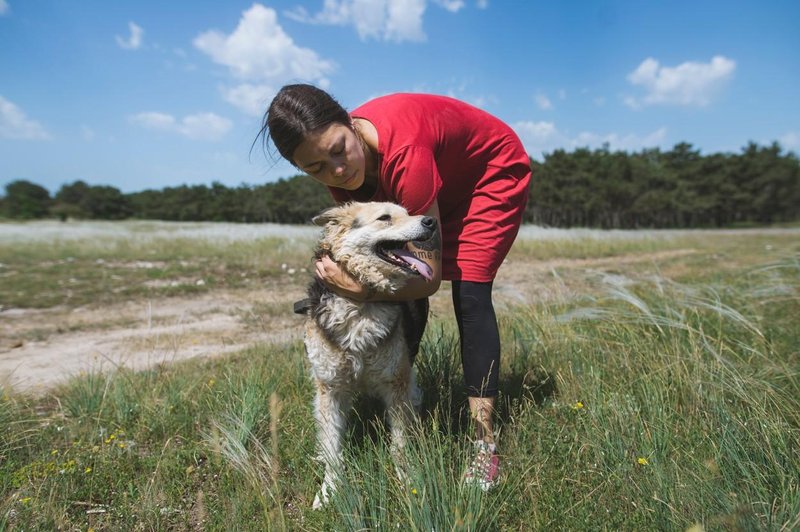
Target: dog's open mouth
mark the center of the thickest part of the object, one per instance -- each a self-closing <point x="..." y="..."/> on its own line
<point x="396" y="253"/>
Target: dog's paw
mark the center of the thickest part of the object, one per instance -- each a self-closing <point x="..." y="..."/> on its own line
<point x="319" y="502"/>
<point x="323" y="495"/>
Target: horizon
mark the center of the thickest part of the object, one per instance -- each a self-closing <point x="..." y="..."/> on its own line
<point x="300" y="174"/>
<point x="148" y="96"/>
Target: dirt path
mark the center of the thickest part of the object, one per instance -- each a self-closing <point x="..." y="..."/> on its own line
<point x="63" y="342"/>
<point x="40" y="348"/>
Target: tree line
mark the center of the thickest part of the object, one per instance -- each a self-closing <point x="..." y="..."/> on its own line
<point x="679" y="188"/>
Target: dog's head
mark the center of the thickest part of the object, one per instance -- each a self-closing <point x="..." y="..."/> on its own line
<point x="369" y="241"/>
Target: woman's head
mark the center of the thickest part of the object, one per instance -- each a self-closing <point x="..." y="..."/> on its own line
<point x="312" y="131"/>
<point x="296" y="111"/>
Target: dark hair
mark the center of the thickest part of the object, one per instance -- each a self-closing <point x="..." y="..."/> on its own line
<point x="295" y="111"/>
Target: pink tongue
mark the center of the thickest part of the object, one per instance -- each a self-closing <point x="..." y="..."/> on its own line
<point x="421" y="266"/>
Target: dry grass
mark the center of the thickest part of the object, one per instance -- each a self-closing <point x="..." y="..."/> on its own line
<point x="653" y="385"/>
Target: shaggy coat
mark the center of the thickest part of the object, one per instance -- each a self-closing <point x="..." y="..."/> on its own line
<point x="366" y="346"/>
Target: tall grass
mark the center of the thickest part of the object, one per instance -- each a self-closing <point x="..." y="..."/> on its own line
<point x="45" y="264"/>
<point x="655" y="401"/>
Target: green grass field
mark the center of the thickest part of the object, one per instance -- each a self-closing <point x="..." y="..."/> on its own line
<point x="653" y="394"/>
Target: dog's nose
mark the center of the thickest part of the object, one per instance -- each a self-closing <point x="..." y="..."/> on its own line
<point x="429" y="222"/>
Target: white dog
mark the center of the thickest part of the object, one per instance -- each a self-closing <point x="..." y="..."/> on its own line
<point x="366" y="347"/>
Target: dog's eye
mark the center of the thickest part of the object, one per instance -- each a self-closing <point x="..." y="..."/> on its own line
<point x="385" y="218"/>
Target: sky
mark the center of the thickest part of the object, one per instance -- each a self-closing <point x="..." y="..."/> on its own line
<point x="153" y="94"/>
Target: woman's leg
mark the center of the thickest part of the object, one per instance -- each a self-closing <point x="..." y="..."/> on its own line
<point x="480" y="351"/>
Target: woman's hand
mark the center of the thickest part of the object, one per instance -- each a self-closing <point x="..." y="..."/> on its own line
<point x="339" y="281"/>
<point x="342" y="283"/>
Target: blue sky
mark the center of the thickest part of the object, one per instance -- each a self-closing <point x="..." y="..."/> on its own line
<point x="150" y="94"/>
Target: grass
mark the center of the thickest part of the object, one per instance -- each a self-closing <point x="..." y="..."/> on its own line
<point x="136" y="260"/>
<point x="664" y="396"/>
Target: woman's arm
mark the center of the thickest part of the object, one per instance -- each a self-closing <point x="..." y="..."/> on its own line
<point x="344" y="285"/>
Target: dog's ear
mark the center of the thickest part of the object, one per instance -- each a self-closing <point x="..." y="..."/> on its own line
<point x="334" y="214"/>
<point x="328" y="215"/>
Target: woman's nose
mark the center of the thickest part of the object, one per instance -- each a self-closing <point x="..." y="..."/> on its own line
<point x="338" y="167"/>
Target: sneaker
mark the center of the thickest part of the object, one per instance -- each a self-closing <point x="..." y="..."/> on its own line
<point x="485" y="468"/>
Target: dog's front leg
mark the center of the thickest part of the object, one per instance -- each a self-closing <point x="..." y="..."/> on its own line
<point x="400" y="413"/>
<point x="330" y="412"/>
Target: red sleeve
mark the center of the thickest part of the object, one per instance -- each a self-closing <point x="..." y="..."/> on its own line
<point x="412" y="179"/>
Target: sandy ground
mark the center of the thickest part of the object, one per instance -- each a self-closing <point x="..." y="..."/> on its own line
<point x="140" y="334"/>
<point x="135" y="334"/>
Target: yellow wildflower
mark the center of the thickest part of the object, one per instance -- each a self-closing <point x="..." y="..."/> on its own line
<point x="25" y="500"/>
<point x="413" y="491"/>
<point x="577" y="406"/>
<point x="642" y="461"/>
<point x="87" y="470"/>
<point x="54" y="452"/>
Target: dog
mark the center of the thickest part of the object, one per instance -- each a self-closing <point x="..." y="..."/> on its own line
<point x="367" y="347"/>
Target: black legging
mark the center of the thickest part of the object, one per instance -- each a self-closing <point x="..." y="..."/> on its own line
<point x="480" y="338"/>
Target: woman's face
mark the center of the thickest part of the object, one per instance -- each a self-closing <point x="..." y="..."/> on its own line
<point x="332" y="155"/>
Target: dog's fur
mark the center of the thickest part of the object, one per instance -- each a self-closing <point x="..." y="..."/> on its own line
<point x="366" y="346"/>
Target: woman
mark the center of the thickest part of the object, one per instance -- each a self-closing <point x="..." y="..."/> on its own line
<point x="435" y="156"/>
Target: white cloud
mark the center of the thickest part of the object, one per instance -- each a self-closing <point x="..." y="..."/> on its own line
<point x="87" y="133"/>
<point x="460" y="90"/>
<point x="259" y="49"/>
<point x="632" y="102"/>
<point x="543" y="102"/>
<point x="453" y="6"/>
<point x="154" y="120"/>
<point x="544" y="137"/>
<point x="134" y="41"/>
<point x="250" y="99"/>
<point x="790" y="141"/>
<point x="263" y="56"/>
<point x="536" y="133"/>
<point x="3" y="7"/>
<point x="482" y="4"/>
<point x="689" y="83"/>
<point x="390" y="20"/>
<point x="405" y="20"/>
<point x="200" y="126"/>
<point x="629" y="142"/>
<point x="15" y="125"/>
